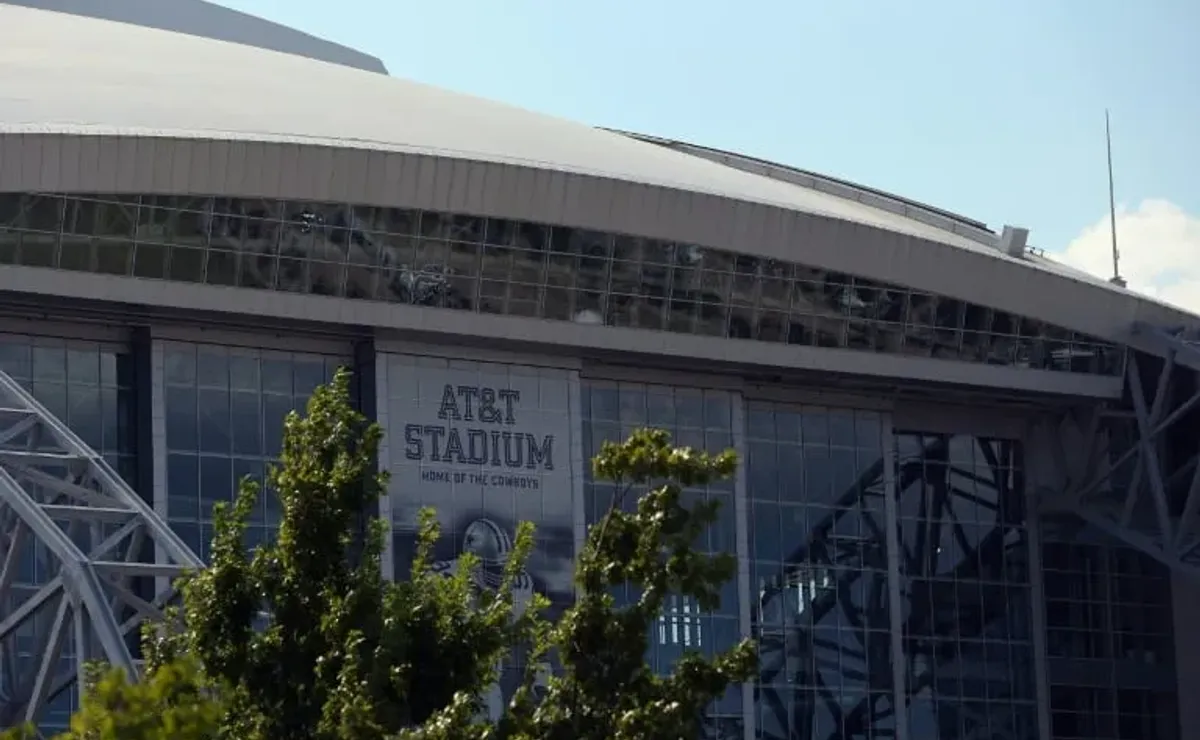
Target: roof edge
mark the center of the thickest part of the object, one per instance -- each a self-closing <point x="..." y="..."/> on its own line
<point x="930" y="215"/>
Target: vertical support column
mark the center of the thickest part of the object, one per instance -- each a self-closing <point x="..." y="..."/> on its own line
<point x="891" y="514"/>
<point x="1037" y="605"/>
<point x="156" y="450"/>
<point x="364" y="382"/>
<point x="144" y="408"/>
<point x="362" y="389"/>
<point x="742" y="540"/>
<point x="147" y="408"/>
<point x="579" y="462"/>
<point x="382" y="405"/>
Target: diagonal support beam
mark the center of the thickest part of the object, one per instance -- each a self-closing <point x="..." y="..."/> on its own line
<point x="1190" y="507"/>
<point x="1146" y="443"/>
<point x="1161" y="342"/>
<point x="1171" y="533"/>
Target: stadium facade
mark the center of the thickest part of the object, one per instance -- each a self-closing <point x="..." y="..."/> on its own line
<point x="967" y="505"/>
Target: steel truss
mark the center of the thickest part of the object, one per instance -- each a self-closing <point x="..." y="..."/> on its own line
<point x="1135" y="473"/>
<point x="85" y="560"/>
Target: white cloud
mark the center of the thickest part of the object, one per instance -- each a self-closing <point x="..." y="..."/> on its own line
<point x="1160" y="251"/>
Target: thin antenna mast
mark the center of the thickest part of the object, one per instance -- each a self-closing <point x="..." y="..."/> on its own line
<point x="1112" y="207"/>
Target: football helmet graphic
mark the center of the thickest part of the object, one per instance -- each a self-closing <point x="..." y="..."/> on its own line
<point x="491" y="544"/>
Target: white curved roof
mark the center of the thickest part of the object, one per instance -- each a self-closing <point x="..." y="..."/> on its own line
<point x="65" y="74"/>
<point x="208" y="20"/>
<point x="328" y="132"/>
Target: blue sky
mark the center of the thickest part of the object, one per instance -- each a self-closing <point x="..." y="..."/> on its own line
<point x="991" y="109"/>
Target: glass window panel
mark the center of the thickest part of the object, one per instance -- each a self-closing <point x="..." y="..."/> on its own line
<point x="258" y="271"/>
<point x="308" y="375"/>
<point x="214" y="418"/>
<point x="275" y="410"/>
<point x="212" y="368"/>
<point x="49" y="363"/>
<point x="605" y="403"/>
<point x="83" y="366"/>
<point x="222" y="268"/>
<point x="16" y="359"/>
<point x="557" y="303"/>
<point x="689" y="408"/>
<point x="42" y="213"/>
<point x="84" y="415"/>
<point x="216" y="482"/>
<point x="77" y="253"/>
<point x="189" y="533"/>
<point x="841" y="428"/>
<point x="523" y="299"/>
<point x="243" y="373"/>
<point x="815" y="429"/>
<point x="276" y="376"/>
<point x="186" y="265"/>
<point x="766" y="535"/>
<point x="183" y="486"/>
<point x="463" y="259"/>
<point x="113" y="257"/>
<point x="527" y="267"/>
<point x="37" y="250"/>
<point x="246" y="423"/>
<point x="493" y="296"/>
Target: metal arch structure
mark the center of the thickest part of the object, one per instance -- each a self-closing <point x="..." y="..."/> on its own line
<point x="1135" y="472"/>
<point x="84" y="559"/>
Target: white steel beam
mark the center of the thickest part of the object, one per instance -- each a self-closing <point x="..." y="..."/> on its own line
<point x="73" y="534"/>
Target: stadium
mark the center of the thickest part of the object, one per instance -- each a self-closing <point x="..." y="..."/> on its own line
<point x="967" y="504"/>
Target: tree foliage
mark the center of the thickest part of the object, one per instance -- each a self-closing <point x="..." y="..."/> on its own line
<point x="302" y="638"/>
<point x="606" y="690"/>
<point x="168" y="704"/>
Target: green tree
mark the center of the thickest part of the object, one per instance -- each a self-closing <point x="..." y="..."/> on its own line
<point x="606" y="690"/>
<point x="170" y="704"/>
<point x="302" y="638"/>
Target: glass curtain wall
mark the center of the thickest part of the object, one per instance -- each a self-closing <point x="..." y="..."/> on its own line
<point x="1109" y="638"/>
<point x="815" y="489"/>
<point x="224" y="410"/>
<point x="698" y="419"/>
<point x="89" y="386"/>
<point x="966" y="591"/>
<point x="519" y="268"/>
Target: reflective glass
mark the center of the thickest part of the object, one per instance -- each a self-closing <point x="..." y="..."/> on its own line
<point x="814" y="484"/>
<point x="224" y="410"/>
<point x="523" y="269"/>
<point x="90" y="387"/>
<point x="702" y="419"/>
<point x="1109" y="605"/>
<point x="965" y="586"/>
